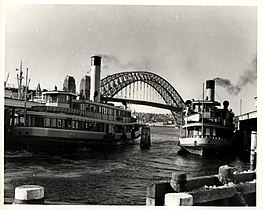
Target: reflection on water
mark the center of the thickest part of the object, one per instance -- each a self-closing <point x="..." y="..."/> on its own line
<point x="113" y="177"/>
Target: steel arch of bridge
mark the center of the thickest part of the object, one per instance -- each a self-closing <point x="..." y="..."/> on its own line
<point x="114" y="83"/>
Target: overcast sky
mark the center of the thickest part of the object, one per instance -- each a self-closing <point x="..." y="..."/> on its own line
<point x="186" y="45"/>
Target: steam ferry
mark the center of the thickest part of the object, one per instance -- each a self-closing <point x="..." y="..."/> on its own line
<point x="64" y="122"/>
<point x="207" y="129"/>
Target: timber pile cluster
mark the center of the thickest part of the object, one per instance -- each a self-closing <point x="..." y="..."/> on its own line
<point x="227" y="188"/>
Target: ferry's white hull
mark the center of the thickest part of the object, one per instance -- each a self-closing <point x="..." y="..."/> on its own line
<point x="201" y="145"/>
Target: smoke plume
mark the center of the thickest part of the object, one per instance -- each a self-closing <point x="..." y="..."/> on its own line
<point x="248" y="77"/>
<point x="111" y="60"/>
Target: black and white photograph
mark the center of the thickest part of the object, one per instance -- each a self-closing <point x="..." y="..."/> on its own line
<point x="132" y="104"/>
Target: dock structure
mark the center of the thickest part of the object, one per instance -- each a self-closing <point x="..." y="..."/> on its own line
<point x="227" y="188"/>
<point x="246" y="133"/>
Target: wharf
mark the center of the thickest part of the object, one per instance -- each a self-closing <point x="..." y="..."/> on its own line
<point x="228" y="188"/>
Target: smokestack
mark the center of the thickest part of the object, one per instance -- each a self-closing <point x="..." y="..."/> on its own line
<point x="210" y="90"/>
<point x="95" y="78"/>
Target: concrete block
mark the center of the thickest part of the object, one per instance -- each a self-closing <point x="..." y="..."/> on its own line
<point x="29" y="194"/>
<point x="178" y="199"/>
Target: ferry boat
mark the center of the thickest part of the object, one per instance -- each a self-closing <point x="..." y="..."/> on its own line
<point x="207" y="129"/>
<point x="64" y="122"/>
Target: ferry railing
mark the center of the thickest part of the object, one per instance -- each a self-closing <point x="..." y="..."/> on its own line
<point x="73" y="111"/>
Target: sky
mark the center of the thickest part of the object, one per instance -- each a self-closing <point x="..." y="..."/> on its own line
<point x="186" y="45"/>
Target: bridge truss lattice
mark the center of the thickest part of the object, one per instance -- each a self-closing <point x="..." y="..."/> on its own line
<point x="114" y="83"/>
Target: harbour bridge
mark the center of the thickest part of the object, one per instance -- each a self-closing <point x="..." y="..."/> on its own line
<point x="141" y="87"/>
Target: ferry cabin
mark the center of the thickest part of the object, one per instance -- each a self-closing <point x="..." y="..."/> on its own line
<point x="216" y="124"/>
<point x="68" y="118"/>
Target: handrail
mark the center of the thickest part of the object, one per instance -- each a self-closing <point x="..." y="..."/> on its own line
<point x="78" y="112"/>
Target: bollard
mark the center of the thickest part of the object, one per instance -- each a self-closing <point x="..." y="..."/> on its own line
<point x="226" y="174"/>
<point x="145" y="137"/>
<point x="253" y="150"/>
<point x="29" y="194"/>
<point x="178" y="199"/>
<point x="178" y="182"/>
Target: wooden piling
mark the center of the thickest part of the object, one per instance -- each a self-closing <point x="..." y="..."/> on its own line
<point x="253" y="150"/>
<point x="155" y="193"/>
<point x="145" y="137"/>
<point x="226" y="174"/>
<point x="178" y="182"/>
<point x="227" y="188"/>
<point x="29" y="194"/>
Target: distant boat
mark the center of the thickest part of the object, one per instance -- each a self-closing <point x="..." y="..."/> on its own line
<point x="207" y="129"/>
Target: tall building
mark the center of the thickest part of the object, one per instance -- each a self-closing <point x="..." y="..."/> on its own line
<point x="84" y="88"/>
<point x="69" y="84"/>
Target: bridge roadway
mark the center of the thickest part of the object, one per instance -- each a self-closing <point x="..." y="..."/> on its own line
<point x="146" y="103"/>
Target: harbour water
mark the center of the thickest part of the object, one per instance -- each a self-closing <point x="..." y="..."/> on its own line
<point x="108" y="177"/>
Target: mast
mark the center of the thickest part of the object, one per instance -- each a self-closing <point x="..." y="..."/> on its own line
<point x="19" y="81"/>
<point x="203" y="111"/>
<point x="25" y="97"/>
<point x="240" y="107"/>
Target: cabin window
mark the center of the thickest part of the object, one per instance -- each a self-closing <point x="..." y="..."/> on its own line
<point x="21" y="121"/>
<point x="47" y="98"/>
<point x="67" y="123"/>
<point x="73" y="124"/>
<point x="93" y="126"/>
<point x="53" y="122"/>
<point x="100" y="127"/>
<point x="207" y="131"/>
<point x="62" y="99"/>
<point x="76" y="106"/>
<point x="39" y="121"/>
<point x="82" y="125"/>
<point x="91" y="108"/>
<point x="214" y="132"/>
<point x="47" y="122"/>
<point x="54" y="99"/>
<point x="63" y="123"/>
<point x="86" y="125"/>
<point x="76" y="124"/>
<point x="193" y="132"/>
<point x="87" y="107"/>
<point x="59" y="123"/>
<point x="29" y="120"/>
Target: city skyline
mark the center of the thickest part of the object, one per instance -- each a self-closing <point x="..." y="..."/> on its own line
<point x="186" y="45"/>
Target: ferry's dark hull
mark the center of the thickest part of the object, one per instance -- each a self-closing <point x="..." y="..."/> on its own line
<point x="56" y="140"/>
